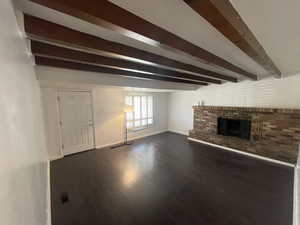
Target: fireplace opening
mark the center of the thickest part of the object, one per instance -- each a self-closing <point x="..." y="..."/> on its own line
<point x="234" y="127"/>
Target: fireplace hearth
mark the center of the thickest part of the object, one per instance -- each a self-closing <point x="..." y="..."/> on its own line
<point x="268" y="132"/>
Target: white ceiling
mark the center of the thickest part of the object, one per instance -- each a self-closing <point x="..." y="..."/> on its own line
<point x="274" y="22"/>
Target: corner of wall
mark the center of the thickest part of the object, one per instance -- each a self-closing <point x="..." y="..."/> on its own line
<point x="296" y="214"/>
<point x="185" y="133"/>
<point x="48" y="210"/>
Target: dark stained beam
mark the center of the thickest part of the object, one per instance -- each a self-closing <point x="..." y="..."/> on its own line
<point x="38" y="29"/>
<point x="109" y="15"/>
<point x="223" y="16"/>
<point x="44" y="61"/>
<point x="52" y="51"/>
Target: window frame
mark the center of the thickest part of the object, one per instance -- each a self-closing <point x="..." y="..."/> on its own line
<point x="140" y="127"/>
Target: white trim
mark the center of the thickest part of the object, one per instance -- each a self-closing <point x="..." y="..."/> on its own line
<point x="58" y="95"/>
<point x="48" y="210"/>
<point x="244" y="153"/>
<point x="296" y="191"/>
<point x="131" y="139"/>
<point x="109" y="145"/>
<point x="146" y="135"/>
<point x="60" y="142"/>
<point x="296" y="199"/>
<point x="93" y="116"/>
<point x="185" y="133"/>
<point x="56" y="157"/>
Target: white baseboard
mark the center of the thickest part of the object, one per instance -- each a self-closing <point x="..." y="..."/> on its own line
<point x="244" y="153"/>
<point x="185" y="133"/>
<point x="56" y="157"/>
<point x="130" y="139"/>
<point x="296" y="197"/>
<point x="296" y="192"/>
<point x="48" y="195"/>
<point x="109" y="145"/>
<point x="147" y="135"/>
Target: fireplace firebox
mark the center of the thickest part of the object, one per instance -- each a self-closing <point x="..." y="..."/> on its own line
<point x="234" y="127"/>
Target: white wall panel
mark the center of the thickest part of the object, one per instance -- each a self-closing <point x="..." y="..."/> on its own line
<point x="23" y="167"/>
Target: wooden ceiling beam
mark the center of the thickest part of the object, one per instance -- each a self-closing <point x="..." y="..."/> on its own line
<point x="44" y="61"/>
<point x="223" y="16"/>
<point x="42" y="30"/>
<point x="52" y="51"/>
<point x="111" y="16"/>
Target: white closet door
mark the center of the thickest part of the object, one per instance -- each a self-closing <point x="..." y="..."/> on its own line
<point x="76" y="121"/>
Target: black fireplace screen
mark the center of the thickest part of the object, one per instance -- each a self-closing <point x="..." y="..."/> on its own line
<point x="234" y="127"/>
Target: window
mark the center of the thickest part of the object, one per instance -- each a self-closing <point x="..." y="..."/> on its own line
<point x="142" y="116"/>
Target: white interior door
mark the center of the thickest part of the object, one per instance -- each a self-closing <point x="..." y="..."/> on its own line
<point x="76" y="121"/>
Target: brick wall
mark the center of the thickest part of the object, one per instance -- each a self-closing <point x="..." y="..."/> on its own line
<point x="275" y="133"/>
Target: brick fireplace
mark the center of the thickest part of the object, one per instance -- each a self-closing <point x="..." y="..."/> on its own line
<point x="274" y="133"/>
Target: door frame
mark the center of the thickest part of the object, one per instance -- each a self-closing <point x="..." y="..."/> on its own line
<point x="59" y="116"/>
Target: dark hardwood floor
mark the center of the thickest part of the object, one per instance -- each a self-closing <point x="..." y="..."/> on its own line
<point x="165" y="179"/>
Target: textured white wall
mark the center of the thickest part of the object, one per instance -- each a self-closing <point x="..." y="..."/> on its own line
<point x="50" y="109"/>
<point x="271" y="92"/>
<point x="22" y="144"/>
<point x="108" y="105"/>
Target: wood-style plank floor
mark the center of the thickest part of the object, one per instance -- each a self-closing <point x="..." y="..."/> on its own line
<point x="165" y="179"/>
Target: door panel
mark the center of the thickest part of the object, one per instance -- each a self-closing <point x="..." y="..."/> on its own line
<point x="77" y="128"/>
